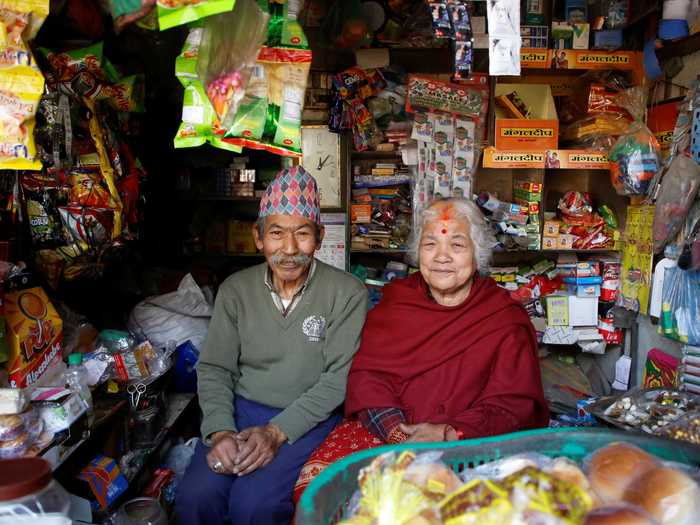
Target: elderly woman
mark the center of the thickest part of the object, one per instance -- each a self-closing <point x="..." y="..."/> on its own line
<point x="445" y="355"/>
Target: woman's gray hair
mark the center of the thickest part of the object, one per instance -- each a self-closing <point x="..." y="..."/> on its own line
<point x="479" y="230"/>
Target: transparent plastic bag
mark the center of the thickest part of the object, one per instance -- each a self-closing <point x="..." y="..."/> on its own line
<point x="229" y="49"/>
<point x="635" y="159"/>
<point x="679" y="187"/>
<point x="680" y="306"/>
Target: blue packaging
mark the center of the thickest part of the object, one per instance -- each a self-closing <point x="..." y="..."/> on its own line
<point x="607" y="39"/>
<point x="185" y="376"/>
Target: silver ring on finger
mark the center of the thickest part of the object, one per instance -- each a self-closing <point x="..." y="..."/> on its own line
<point x="218" y="467"/>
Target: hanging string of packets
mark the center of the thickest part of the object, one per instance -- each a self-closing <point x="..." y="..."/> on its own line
<point x="451" y="20"/>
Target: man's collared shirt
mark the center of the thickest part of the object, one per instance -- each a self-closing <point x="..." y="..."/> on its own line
<point x="285" y="310"/>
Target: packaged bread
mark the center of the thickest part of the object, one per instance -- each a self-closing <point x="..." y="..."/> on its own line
<point x="16" y="447"/>
<point x="613" y="468"/>
<point x="11" y="426"/>
<point x="619" y="515"/>
<point x="12" y="401"/>
<point x="668" y="494"/>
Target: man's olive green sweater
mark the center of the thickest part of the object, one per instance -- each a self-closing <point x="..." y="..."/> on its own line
<point x="298" y="363"/>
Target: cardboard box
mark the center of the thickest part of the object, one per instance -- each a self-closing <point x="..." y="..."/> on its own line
<point x="549" y="243"/>
<point x="540" y="131"/>
<point x="587" y="269"/>
<point x="557" y="310"/>
<point x="551" y="228"/>
<point x="588" y="290"/>
<point x="239" y="237"/>
<point x="58" y="407"/>
<point x="565" y="241"/>
<point x="583" y="311"/>
<point x="105" y="480"/>
<point x="607" y="39"/>
<point x="34" y="335"/>
<point x="527" y="196"/>
<point x="361" y="213"/>
<point x="529" y="186"/>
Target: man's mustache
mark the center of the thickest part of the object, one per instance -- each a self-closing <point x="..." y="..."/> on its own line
<point x="298" y="260"/>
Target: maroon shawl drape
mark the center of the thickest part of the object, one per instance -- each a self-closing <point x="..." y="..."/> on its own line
<point x="473" y="366"/>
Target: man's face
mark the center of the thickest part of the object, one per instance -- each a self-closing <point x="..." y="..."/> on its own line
<point x="288" y="243"/>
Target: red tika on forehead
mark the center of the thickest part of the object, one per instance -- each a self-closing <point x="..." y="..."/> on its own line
<point x="447" y="212"/>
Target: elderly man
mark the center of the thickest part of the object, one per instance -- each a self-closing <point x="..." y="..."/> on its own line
<point x="274" y="366"/>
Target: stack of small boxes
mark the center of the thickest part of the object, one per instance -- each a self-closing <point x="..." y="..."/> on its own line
<point x="529" y="194"/>
<point x="552" y="239"/>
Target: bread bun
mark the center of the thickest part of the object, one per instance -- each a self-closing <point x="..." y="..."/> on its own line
<point x="669" y="495"/>
<point x="11" y="426"/>
<point x="433" y="478"/>
<point x="619" y="515"/>
<point x="567" y="470"/>
<point x="612" y="469"/>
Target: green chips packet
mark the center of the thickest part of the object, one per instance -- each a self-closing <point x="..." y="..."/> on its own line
<point x="200" y="124"/>
<point x="173" y="13"/>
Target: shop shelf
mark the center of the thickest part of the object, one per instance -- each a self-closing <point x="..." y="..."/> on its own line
<point x="371" y="155"/>
<point x="567" y="159"/>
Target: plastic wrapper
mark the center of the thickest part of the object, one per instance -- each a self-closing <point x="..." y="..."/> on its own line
<point x="284" y="29"/>
<point x="89" y="227"/>
<point x="621" y="513"/>
<point x="16" y="447"/>
<point x="575" y="206"/>
<point x="200" y="124"/>
<point x="668" y="494"/>
<point x="635" y="158"/>
<point x="229" y="49"/>
<point x="269" y="116"/>
<point x="678" y="190"/>
<point x="115" y="341"/>
<point x="42" y="197"/>
<point x="684" y="429"/>
<point x="86" y="73"/>
<point x="173" y="13"/>
<point x="680" y="306"/>
<point x="11" y="426"/>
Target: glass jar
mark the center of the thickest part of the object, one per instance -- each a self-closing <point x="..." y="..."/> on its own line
<point x="141" y="511"/>
<point x="29" y="494"/>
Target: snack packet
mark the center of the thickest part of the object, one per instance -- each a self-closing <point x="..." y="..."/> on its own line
<point x="283" y="29"/>
<point x="269" y="117"/>
<point x="42" y="196"/>
<point x="173" y="13"/>
<point x="200" y="124"/>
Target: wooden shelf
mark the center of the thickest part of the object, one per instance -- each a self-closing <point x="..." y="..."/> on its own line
<point x="370" y="155"/>
<point x="680" y="47"/>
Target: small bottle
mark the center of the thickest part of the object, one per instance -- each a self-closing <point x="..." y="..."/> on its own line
<point x="77" y="381"/>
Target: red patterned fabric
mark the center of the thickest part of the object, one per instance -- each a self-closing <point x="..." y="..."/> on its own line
<point x="348" y="437"/>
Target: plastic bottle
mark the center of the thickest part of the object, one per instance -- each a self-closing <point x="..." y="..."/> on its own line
<point x="77" y="380"/>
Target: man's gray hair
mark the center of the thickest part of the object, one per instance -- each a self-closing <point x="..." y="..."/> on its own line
<point x="479" y="230"/>
<point x="260" y="226"/>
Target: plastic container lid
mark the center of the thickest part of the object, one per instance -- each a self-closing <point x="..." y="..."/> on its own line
<point x="22" y="477"/>
<point x="75" y="359"/>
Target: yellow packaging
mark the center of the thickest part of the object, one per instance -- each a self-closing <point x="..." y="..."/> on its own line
<point x="21" y="82"/>
<point x="239" y="238"/>
<point x="34" y="335"/>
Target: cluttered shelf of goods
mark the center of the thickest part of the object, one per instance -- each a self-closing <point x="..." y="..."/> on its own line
<point x="468" y="231"/>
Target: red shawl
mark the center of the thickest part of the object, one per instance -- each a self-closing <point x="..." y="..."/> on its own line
<point x="473" y="366"/>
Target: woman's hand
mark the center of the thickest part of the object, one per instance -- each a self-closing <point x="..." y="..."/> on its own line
<point x="423" y="432"/>
<point x="257" y="446"/>
<point x="224" y="451"/>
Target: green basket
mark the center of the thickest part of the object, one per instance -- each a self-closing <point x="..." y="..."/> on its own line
<point x="325" y="499"/>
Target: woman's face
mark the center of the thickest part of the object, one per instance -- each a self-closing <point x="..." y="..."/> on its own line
<point x="447" y="254"/>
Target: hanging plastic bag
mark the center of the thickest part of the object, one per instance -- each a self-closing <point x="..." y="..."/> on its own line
<point x="200" y="124"/>
<point x="679" y="187"/>
<point x="283" y="29"/>
<point x="635" y="158"/>
<point x="173" y="13"/>
<point x="230" y="46"/>
<point x="680" y="308"/>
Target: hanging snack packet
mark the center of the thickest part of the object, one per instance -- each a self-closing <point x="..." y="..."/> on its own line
<point x="283" y="29"/>
<point x="28" y="16"/>
<point x="21" y="83"/>
<point x="88" y="226"/>
<point x="173" y="13"/>
<point x="442" y="28"/>
<point x="42" y="196"/>
<point x="228" y="51"/>
<point x="200" y="124"/>
<point x="270" y="114"/>
<point x="86" y="190"/>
